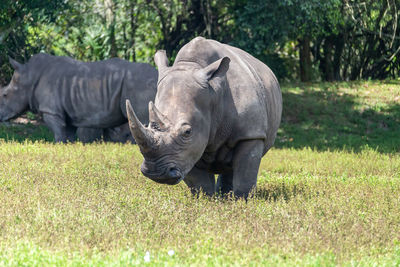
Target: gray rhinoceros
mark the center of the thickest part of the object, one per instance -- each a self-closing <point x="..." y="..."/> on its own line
<point x="217" y="111"/>
<point x="71" y="94"/>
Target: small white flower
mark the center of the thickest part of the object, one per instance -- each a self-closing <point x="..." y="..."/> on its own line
<point x="147" y="257"/>
<point x="171" y="252"/>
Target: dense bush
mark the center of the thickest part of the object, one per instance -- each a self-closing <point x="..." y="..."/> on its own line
<point x="327" y="40"/>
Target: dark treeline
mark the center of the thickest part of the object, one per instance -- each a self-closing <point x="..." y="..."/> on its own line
<point x="299" y="39"/>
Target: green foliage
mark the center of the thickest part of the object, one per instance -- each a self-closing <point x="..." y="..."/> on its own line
<point x="333" y="40"/>
<point x="15" y="19"/>
<point x="288" y="19"/>
<point x="372" y="28"/>
<point x="95" y="31"/>
<point x="345" y="39"/>
<point x="264" y="34"/>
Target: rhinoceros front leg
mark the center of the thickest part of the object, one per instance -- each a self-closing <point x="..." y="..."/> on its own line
<point x="57" y="125"/>
<point x="200" y="181"/>
<point x="246" y="161"/>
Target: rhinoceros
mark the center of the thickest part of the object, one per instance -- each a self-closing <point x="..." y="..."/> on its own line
<point x="72" y="94"/>
<point x="217" y="111"/>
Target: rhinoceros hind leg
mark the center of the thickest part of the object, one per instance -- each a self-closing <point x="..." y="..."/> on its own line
<point x="224" y="183"/>
<point x="70" y="133"/>
<point x="58" y="126"/>
<point x="89" y="135"/>
<point x="246" y="161"/>
<point x="200" y="181"/>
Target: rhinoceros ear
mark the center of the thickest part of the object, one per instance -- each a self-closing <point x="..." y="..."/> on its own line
<point x="16" y="65"/>
<point x="161" y="60"/>
<point x="217" y="69"/>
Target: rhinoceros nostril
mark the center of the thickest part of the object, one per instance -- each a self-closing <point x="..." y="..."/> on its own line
<point x="174" y="173"/>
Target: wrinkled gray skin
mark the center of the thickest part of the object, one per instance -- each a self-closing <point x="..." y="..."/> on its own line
<point x="71" y="94"/>
<point x="119" y="134"/>
<point x="217" y="111"/>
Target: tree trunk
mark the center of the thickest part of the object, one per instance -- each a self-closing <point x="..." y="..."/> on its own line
<point x="337" y="59"/>
<point x="328" y="48"/>
<point x="133" y="22"/>
<point x="305" y="59"/>
<point x="110" y="17"/>
<point x="113" y="50"/>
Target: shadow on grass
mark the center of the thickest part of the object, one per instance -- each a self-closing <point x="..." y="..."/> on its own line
<point x="329" y="119"/>
<point x="281" y="191"/>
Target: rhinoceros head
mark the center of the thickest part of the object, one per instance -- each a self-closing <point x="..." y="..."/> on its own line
<point x="14" y="96"/>
<point x="179" y="120"/>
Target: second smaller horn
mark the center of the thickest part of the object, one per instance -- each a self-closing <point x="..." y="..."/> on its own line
<point x="157" y="117"/>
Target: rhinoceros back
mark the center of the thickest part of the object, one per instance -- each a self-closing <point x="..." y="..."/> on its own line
<point x="91" y="93"/>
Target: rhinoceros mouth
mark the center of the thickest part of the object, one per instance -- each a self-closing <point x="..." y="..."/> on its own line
<point x="6" y="118"/>
<point x="168" y="181"/>
<point x="8" y="115"/>
<point x="170" y="175"/>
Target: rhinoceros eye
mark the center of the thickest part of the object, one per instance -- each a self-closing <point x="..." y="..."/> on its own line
<point x="155" y="126"/>
<point x="186" y="131"/>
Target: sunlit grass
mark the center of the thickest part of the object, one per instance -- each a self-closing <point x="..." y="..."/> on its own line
<point x="89" y="204"/>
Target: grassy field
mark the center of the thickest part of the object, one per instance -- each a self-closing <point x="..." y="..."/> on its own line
<point x="345" y="116"/>
<point x="328" y="194"/>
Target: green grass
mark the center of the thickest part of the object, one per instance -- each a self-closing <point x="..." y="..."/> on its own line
<point x="320" y="201"/>
<point x="347" y="116"/>
<point x="22" y="132"/>
<point x="89" y="203"/>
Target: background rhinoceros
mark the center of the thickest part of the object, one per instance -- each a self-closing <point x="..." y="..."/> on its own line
<point x="217" y="111"/>
<point x="71" y="94"/>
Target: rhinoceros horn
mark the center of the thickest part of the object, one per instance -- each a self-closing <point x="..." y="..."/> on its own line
<point x="157" y="117"/>
<point x="143" y="136"/>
